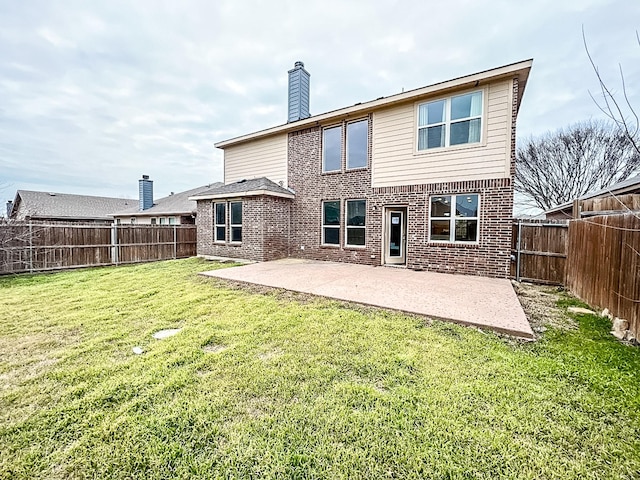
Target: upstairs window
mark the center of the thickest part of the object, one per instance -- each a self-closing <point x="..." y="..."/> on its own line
<point x="355" y="148"/>
<point x="450" y="121"/>
<point x="357" y="144"/>
<point x="454" y="218"/>
<point x="332" y="149"/>
<point x="172" y="220"/>
<point x="220" y="221"/>
<point x="331" y="222"/>
<point x="236" y="221"/>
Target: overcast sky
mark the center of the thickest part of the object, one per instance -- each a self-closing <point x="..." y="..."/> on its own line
<point x="95" y="94"/>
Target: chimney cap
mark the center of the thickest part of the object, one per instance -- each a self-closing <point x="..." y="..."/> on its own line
<point x="145" y="177"/>
<point x="298" y="64"/>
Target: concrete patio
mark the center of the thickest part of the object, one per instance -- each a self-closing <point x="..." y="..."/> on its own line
<point x="482" y="302"/>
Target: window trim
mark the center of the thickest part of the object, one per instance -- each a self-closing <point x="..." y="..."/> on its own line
<point x="346" y="144"/>
<point x="452" y="220"/>
<point x="483" y="122"/>
<point x="172" y="221"/>
<point x="323" y="225"/>
<point x="347" y="227"/>
<point x="216" y="225"/>
<point x="235" y="225"/>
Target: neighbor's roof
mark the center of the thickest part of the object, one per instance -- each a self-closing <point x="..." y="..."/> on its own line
<point x="630" y="185"/>
<point x="519" y="69"/>
<point x="245" y="188"/>
<point x="175" y="204"/>
<point x="63" y="206"/>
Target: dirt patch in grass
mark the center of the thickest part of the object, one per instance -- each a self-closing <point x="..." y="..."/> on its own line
<point x="539" y="303"/>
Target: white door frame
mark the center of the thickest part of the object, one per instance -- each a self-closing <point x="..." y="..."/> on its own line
<point x="398" y="256"/>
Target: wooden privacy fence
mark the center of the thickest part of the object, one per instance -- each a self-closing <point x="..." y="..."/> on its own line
<point x="31" y="247"/>
<point x="539" y="251"/>
<point x="604" y="264"/>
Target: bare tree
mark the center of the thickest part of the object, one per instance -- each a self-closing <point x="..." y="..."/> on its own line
<point x="560" y="166"/>
<point x="616" y="106"/>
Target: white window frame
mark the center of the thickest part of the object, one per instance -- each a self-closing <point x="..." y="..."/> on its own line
<point x="348" y="227"/>
<point x="172" y="220"/>
<point x="217" y="225"/>
<point x="162" y="221"/>
<point x="133" y="220"/>
<point x="452" y="219"/>
<point x="324" y="243"/>
<point x="448" y="122"/>
<point x="346" y="137"/>
<point x="235" y="225"/>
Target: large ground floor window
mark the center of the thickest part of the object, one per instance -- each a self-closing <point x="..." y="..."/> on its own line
<point x="331" y="222"/>
<point x="355" y="222"/>
<point x="234" y="219"/>
<point x="454" y="218"/>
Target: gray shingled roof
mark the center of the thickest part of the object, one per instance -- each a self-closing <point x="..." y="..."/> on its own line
<point x="175" y="204"/>
<point x="46" y="205"/>
<point x="243" y="187"/>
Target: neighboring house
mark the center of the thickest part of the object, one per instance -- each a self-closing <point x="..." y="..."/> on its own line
<point x="622" y="196"/>
<point x="175" y="209"/>
<point x="422" y="179"/>
<point x="64" y="207"/>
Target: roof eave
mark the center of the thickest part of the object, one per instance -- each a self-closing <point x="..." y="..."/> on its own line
<point x="519" y="69"/>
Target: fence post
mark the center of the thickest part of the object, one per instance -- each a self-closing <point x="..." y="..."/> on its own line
<point x="114" y="244"/>
<point x="30" y="247"/>
<point x="519" y="247"/>
<point x="175" y="242"/>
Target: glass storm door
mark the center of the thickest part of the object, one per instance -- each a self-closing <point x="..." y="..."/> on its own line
<point x="395" y="236"/>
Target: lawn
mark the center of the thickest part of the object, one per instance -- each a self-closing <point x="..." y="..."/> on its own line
<point x="278" y="385"/>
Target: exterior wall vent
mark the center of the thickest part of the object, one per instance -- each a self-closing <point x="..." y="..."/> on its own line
<point x="299" y="84"/>
<point x="9" y="208"/>
<point x="145" y="191"/>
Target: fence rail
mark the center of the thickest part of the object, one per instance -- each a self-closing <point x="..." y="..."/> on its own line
<point x="32" y="247"/>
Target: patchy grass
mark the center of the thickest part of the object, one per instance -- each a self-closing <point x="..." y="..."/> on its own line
<point x="267" y="386"/>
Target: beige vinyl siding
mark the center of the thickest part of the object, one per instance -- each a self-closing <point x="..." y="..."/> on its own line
<point x="396" y="161"/>
<point x="265" y="157"/>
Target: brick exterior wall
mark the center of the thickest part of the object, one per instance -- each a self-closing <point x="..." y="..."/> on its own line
<point x="275" y="227"/>
<point x="265" y="229"/>
<point x="312" y="187"/>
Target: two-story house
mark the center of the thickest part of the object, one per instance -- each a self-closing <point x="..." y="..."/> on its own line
<point x="422" y="179"/>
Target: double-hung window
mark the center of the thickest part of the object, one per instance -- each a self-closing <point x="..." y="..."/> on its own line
<point x="450" y="121"/>
<point x="235" y="223"/>
<point x="355" y="222"/>
<point x="220" y="221"/>
<point x="331" y="222"/>
<point x="454" y="218"/>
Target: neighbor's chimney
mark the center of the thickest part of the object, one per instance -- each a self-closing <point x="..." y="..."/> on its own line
<point x="145" y="192"/>
<point x="298" y="93"/>
<point x="9" y="208"/>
